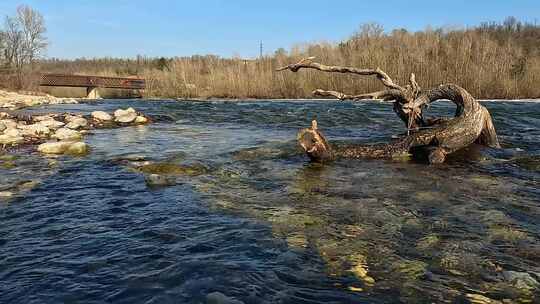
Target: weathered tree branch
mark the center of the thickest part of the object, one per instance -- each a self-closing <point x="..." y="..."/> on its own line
<point x="307" y="63"/>
<point x="380" y="95"/>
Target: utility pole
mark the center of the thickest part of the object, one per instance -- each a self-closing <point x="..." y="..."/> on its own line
<point x="261" y="50"/>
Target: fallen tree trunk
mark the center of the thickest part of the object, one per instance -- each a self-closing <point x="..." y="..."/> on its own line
<point x="439" y="137"/>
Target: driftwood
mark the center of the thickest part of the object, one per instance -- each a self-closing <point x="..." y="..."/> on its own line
<point x="438" y="137"/>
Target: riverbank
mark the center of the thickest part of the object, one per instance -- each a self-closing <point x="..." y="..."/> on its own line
<point x="17" y="100"/>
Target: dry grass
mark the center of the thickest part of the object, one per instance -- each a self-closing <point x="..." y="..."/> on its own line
<point x="490" y="61"/>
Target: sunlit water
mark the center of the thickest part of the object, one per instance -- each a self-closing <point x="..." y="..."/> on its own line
<point x="259" y="223"/>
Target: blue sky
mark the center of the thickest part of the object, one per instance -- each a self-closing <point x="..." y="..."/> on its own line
<point x="125" y="28"/>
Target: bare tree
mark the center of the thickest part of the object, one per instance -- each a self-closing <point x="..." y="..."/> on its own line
<point x="24" y="39"/>
<point x="33" y="30"/>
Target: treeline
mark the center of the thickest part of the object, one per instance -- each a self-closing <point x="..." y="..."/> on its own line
<point x="492" y="60"/>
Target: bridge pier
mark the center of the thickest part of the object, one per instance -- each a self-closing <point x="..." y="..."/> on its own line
<point x="92" y="93"/>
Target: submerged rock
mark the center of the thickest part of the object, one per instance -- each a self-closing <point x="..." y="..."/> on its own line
<point x="220" y="298"/>
<point x="156" y="180"/>
<point x="173" y="169"/>
<point x="521" y="280"/>
<point x="480" y="299"/>
<point x="100" y="115"/>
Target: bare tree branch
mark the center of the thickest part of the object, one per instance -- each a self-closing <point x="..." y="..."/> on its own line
<point x="380" y="95"/>
<point x="307" y="63"/>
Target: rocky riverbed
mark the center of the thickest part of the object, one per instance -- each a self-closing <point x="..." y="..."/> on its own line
<point x="54" y="134"/>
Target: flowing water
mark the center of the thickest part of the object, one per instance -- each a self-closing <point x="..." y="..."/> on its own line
<point x="247" y="215"/>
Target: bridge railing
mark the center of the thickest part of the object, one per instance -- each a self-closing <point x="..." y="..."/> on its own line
<point x="64" y="80"/>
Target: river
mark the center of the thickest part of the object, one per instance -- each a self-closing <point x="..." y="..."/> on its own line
<point x="247" y="215"/>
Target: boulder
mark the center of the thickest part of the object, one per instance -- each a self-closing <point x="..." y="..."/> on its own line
<point x="67" y="134"/>
<point x="77" y="123"/>
<point x="63" y="147"/>
<point x="100" y="115"/>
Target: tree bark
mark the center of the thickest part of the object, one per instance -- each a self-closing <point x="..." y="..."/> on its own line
<point x="439" y="137"/>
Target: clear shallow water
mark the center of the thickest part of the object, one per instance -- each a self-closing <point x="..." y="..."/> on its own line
<point x="260" y="223"/>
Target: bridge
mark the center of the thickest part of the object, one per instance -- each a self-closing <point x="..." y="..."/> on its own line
<point x="92" y="83"/>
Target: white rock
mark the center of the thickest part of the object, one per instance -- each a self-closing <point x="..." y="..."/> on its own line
<point x="10" y="140"/>
<point x="52" y="124"/>
<point x="67" y="134"/>
<point x="141" y="120"/>
<point x="4" y="115"/>
<point x="12" y="132"/>
<point x="35" y="130"/>
<point x="77" y="148"/>
<point x="121" y="112"/>
<point x="100" y="115"/>
<point x="6" y="194"/>
<point x="77" y="123"/>
<point x="42" y="117"/>
<point x="63" y="147"/>
<point x="126" y="118"/>
<point x="9" y="123"/>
